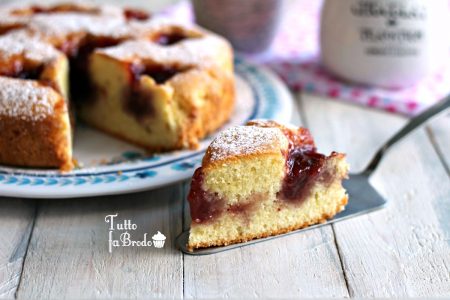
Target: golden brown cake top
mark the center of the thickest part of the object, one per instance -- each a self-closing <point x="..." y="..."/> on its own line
<point x="173" y="44"/>
<point x="60" y="19"/>
<point x="255" y="138"/>
<point x="65" y="24"/>
<point x="25" y="99"/>
<point x="299" y="137"/>
<point x="25" y="58"/>
<point x="28" y="11"/>
<point x="20" y="44"/>
<point x="245" y="141"/>
<point x="55" y="23"/>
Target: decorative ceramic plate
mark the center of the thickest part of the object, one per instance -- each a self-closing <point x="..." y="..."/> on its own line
<point x="110" y="166"/>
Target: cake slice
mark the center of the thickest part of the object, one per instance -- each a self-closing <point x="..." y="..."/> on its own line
<point x="165" y="92"/>
<point x="260" y="180"/>
<point x="35" y="122"/>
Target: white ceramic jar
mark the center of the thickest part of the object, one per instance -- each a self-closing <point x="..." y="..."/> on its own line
<point x="387" y="43"/>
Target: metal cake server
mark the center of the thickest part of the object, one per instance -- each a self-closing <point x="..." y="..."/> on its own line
<point x="363" y="198"/>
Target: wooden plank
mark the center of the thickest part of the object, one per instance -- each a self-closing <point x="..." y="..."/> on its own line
<point x="404" y="249"/>
<point x="68" y="254"/>
<point x="302" y="265"/>
<point x="440" y="136"/>
<point x="16" y="223"/>
<point x="347" y="128"/>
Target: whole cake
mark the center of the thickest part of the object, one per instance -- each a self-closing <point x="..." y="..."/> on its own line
<point x="149" y="81"/>
<point x="260" y="180"/>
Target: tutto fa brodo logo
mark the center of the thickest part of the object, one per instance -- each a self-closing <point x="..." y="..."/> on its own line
<point x="124" y="229"/>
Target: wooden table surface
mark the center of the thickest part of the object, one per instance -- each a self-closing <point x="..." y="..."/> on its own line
<point x="59" y="248"/>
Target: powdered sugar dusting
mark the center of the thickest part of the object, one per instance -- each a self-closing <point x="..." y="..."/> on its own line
<point x="199" y="48"/>
<point x="245" y="140"/>
<point x="105" y="20"/>
<point x="194" y="51"/>
<point x="25" y="99"/>
<point x="20" y="43"/>
<point x="62" y="25"/>
<point x="76" y="18"/>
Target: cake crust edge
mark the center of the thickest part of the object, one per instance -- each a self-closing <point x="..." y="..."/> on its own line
<point x="245" y="238"/>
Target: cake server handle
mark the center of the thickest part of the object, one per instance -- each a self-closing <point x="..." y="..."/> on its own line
<point x="415" y="122"/>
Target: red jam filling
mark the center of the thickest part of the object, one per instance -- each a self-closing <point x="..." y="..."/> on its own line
<point x="136" y="14"/>
<point x="81" y="86"/>
<point x="32" y="74"/>
<point x="204" y="205"/>
<point x="128" y="13"/>
<point x="304" y="166"/>
<point x="139" y="102"/>
<point x="159" y="73"/>
<point x="168" y="39"/>
<point x="299" y="139"/>
<point x="7" y="28"/>
<point x="86" y="48"/>
<point x="17" y="68"/>
<point x="62" y="8"/>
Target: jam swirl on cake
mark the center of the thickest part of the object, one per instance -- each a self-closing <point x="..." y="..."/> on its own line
<point x="263" y="179"/>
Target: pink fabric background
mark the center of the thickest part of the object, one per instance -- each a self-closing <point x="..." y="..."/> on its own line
<point x="294" y="56"/>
